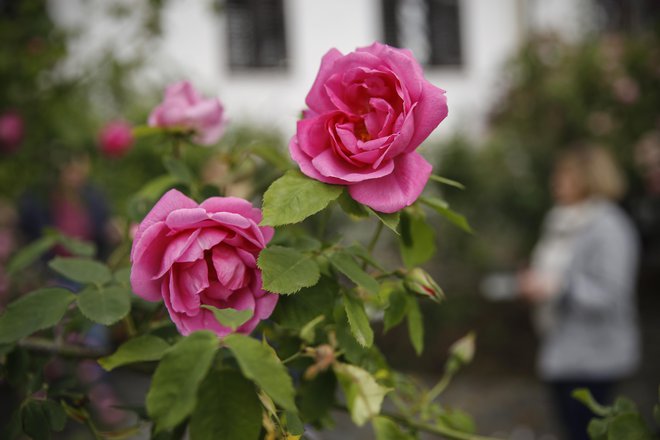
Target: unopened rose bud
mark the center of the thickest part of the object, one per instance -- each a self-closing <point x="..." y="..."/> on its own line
<point x="461" y="352"/>
<point x="419" y="281"/>
<point x="11" y="131"/>
<point x="116" y="138"/>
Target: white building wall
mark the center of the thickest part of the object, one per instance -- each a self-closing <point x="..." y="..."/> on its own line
<point x="194" y="46"/>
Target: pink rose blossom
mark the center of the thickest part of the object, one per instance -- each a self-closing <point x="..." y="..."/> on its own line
<point x="368" y="112"/>
<point x="183" y="108"/>
<point x="116" y="138"/>
<point x="191" y="255"/>
<point x="11" y="131"/>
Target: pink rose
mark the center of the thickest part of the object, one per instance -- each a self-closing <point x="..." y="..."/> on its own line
<point x="116" y="138"/>
<point x="368" y="112"/>
<point x="11" y="131"/>
<point x="183" y="108"/>
<point x="192" y="255"/>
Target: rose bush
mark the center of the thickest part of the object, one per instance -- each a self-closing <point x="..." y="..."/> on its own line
<point x="368" y="112"/>
<point x="116" y="138"/>
<point x="183" y="108"/>
<point x="192" y="255"/>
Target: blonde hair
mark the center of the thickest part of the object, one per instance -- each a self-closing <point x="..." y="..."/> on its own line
<point x="597" y="170"/>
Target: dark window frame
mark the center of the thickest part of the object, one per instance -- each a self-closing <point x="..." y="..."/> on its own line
<point x="256" y="35"/>
<point x="444" y="33"/>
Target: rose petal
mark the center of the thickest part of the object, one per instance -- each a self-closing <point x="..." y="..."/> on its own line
<point x="329" y="165"/>
<point x="397" y="190"/>
<point x="170" y="201"/>
<point x="229" y="267"/>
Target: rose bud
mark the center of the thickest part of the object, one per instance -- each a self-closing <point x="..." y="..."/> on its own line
<point x="116" y="138"/>
<point x="419" y="281"/>
<point x="11" y="131"/>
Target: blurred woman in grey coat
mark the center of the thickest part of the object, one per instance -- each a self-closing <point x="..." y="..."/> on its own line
<point x="582" y="282"/>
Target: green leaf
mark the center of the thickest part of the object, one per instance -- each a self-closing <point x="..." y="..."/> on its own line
<point x="294" y="311"/>
<point x="448" y="182"/>
<point x="227" y="408"/>
<point x="81" y="270"/>
<point x="584" y="396"/>
<point x="629" y="426"/>
<point x="459" y="420"/>
<point x="156" y="187"/>
<point x="307" y="332"/>
<point x="260" y="363"/>
<point x="358" y="321"/>
<point x="30" y="253"/>
<point x="141" y="349"/>
<point x="317" y="396"/>
<point x="294" y="197"/>
<point x="351" y="207"/>
<point x="105" y="305"/>
<point x="35" y="311"/>
<point x="294" y="425"/>
<point x="179" y="170"/>
<point x="231" y="318"/>
<point x="415" y="324"/>
<point x="358" y="250"/>
<point x="274" y="156"/>
<point x="386" y="429"/>
<point x="597" y="429"/>
<point x="442" y="208"/>
<point x="397" y="307"/>
<point x="345" y="264"/>
<point x="364" y="396"/>
<point x="389" y="220"/>
<point x="173" y="392"/>
<point x="286" y="270"/>
<point x="77" y="247"/>
<point x="656" y="413"/>
<point x="123" y="276"/>
<point x="417" y="240"/>
<point x="40" y="417"/>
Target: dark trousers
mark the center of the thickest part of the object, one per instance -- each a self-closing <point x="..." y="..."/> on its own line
<point x="573" y="414"/>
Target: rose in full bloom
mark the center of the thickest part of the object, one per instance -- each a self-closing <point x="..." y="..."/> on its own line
<point x="368" y="112"/>
<point x="191" y="255"/>
<point x="116" y="138"/>
<point x="11" y="131"/>
<point x="183" y="108"/>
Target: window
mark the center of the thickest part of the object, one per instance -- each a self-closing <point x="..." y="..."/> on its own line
<point x="626" y="15"/>
<point x="430" y="28"/>
<point x="256" y="34"/>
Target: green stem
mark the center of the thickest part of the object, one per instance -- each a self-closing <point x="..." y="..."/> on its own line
<point x="435" y="429"/>
<point x="292" y="357"/>
<point x="439" y="387"/>
<point x="43" y="345"/>
<point x="431" y="429"/>
<point x="375" y="237"/>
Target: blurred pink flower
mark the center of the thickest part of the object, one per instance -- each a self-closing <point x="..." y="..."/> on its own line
<point x="185" y="109"/>
<point x="368" y="112"/>
<point x="116" y="138"/>
<point x="11" y="131"/>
